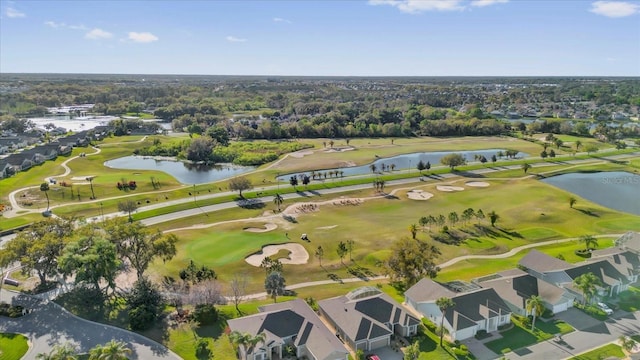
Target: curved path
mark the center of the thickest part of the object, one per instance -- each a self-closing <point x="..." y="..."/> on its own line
<point x="443" y="265"/>
<point x="48" y="324"/>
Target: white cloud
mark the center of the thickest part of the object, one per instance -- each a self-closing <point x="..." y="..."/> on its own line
<point x="614" y="9"/>
<point x="97" y="34"/>
<point x="142" y="37"/>
<point x="13" y="13"/>
<point x="277" y="19"/>
<point x="235" y="39"/>
<point x="56" y="25"/>
<point x="483" y="3"/>
<point x="418" y="6"/>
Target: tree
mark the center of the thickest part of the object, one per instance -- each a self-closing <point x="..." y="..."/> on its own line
<point x="320" y="254"/>
<point x="113" y="350"/>
<point x="587" y="283"/>
<point x="412" y="352"/>
<point x="247" y="340"/>
<point x="200" y="149"/>
<point x="413" y="229"/>
<point x="193" y="274"/>
<point x="270" y="265"/>
<point x="140" y="245"/>
<point x="590" y="242"/>
<point x="219" y="134"/>
<point x="535" y="307"/>
<point x="238" y="285"/>
<point x="467" y="214"/>
<point x="293" y="181"/>
<point x="45" y="187"/>
<point x="493" y="217"/>
<point x="427" y="166"/>
<point x="526" y="167"/>
<point x="424" y="222"/>
<point x="544" y="154"/>
<point x="443" y="304"/>
<point x="552" y="153"/>
<point x="453" y="218"/>
<point x="572" y="202"/>
<point x="60" y="352"/>
<point x="342" y="251"/>
<point x="494" y="158"/>
<point x="240" y="184"/>
<point x="128" y="206"/>
<point x="38" y="247"/>
<point x="350" y="244"/>
<point x="578" y="144"/>
<point x="479" y="215"/>
<point x="373" y="168"/>
<point x="278" y="200"/>
<point x="90" y="180"/>
<point x="558" y="143"/>
<point x="144" y="304"/>
<point x="421" y="166"/>
<point x="411" y="260"/>
<point x="92" y="260"/>
<point x="453" y="160"/>
<point x="274" y="284"/>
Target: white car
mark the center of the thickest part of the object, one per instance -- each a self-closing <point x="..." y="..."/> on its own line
<point x="605" y="308"/>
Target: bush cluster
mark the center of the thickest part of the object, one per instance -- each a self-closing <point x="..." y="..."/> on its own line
<point x="10" y="311"/>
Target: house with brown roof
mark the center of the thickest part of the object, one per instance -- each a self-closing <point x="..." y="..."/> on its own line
<point x="516" y="287"/>
<point x="292" y="323"/>
<point x="473" y="311"/>
<point x="366" y="318"/>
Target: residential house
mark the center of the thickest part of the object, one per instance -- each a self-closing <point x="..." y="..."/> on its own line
<point x="291" y="323"/>
<point x="477" y="310"/>
<point x="20" y="162"/>
<point x="78" y="139"/>
<point x="516" y="287"/>
<point x="9" y="144"/>
<point x="629" y="241"/>
<point x="6" y="169"/>
<point x="366" y="318"/>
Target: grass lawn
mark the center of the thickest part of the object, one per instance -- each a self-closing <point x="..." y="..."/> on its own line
<point x="12" y="346"/>
<point x="520" y="336"/>
<point x="629" y="300"/>
<point x="604" y="352"/>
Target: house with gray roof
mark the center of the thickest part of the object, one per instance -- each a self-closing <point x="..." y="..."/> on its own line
<point x="366" y="318"/>
<point x="516" y="287"/>
<point x="473" y="311"/>
<point x="291" y="323"/>
<point x="629" y="241"/>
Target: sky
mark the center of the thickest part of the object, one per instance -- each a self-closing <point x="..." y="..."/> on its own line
<point x="322" y="38"/>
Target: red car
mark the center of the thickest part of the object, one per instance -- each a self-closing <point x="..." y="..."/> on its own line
<point x="372" y="357"/>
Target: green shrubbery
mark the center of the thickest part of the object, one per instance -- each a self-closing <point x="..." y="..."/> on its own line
<point x="205" y="314"/>
<point x="10" y="311"/>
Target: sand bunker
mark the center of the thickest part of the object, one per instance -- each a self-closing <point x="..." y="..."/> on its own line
<point x="449" y="188"/>
<point x="301" y="154"/>
<point x="327" y="227"/>
<point x="298" y="255"/>
<point x="419" y="195"/>
<point x="267" y="227"/>
<point x="333" y="150"/>
<point x="477" y="184"/>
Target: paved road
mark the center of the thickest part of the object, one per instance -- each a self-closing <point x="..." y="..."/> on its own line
<point x="48" y="324"/>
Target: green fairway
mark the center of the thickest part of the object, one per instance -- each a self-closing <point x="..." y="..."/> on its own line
<point x="13" y="346"/>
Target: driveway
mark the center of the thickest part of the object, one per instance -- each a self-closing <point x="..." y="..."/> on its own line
<point x="48" y="325"/>
<point x="387" y="353"/>
<point x="580" y="321"/>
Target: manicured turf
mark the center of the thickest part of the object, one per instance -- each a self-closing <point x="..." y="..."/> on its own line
<point x="604" y="352"/>
<point x="12" y="346"/>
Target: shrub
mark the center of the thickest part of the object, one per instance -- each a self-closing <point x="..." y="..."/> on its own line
<point x="583" y="253"/>
<point x="205" y="314"/>
<point x="202" y="349"/>
<point x="10" y="311"/>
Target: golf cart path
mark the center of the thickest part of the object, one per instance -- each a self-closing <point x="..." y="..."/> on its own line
<point x="443" y="265"/>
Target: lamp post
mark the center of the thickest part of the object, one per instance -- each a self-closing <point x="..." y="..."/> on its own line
<point x="101" y="212"/>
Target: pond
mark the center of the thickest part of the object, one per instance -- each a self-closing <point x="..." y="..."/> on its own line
<point x="617" y="190"/>
<point x="185" y="173"/>
<point x="410" y="161"/>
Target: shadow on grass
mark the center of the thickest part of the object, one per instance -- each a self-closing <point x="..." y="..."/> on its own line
<point x="587" y="212"/>
<point x="335" y="278"/>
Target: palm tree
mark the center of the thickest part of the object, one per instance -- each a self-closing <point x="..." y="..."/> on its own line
<point x="113" y="350"/>
<point x="274" y="284"/>
<point x="627" y="343"/>
<point x="373" y="168"/>
<point x="342" y="251"/>
<point x="413" y="229"/>
<point x="578" y="144"/>
<point x="393" y="167"/>
<point x="526" y="167"/>
<point x="45" y="187"/>
<point x="590" y="242"/>
<point x="535" y="306"/>
<point x="255" y="340"/>
<point x="240" y="339"/>
<point x="587" y="283"/>
<point x="443" y="304"/>
<point x="90" y="180"/>
<point x="60" y="352"/>
<point x="277" y="199"/>
<point x="493" y="217"/>
<point x="424" y="221"/>
<point x="572" y="201"/>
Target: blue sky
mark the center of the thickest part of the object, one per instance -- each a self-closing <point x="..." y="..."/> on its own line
<point x="342" y="38"/>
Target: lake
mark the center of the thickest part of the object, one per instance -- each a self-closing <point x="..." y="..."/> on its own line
<point x="185" y="173"/>
<point x="410" y="161"/>
<point x="617" y="190"/>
